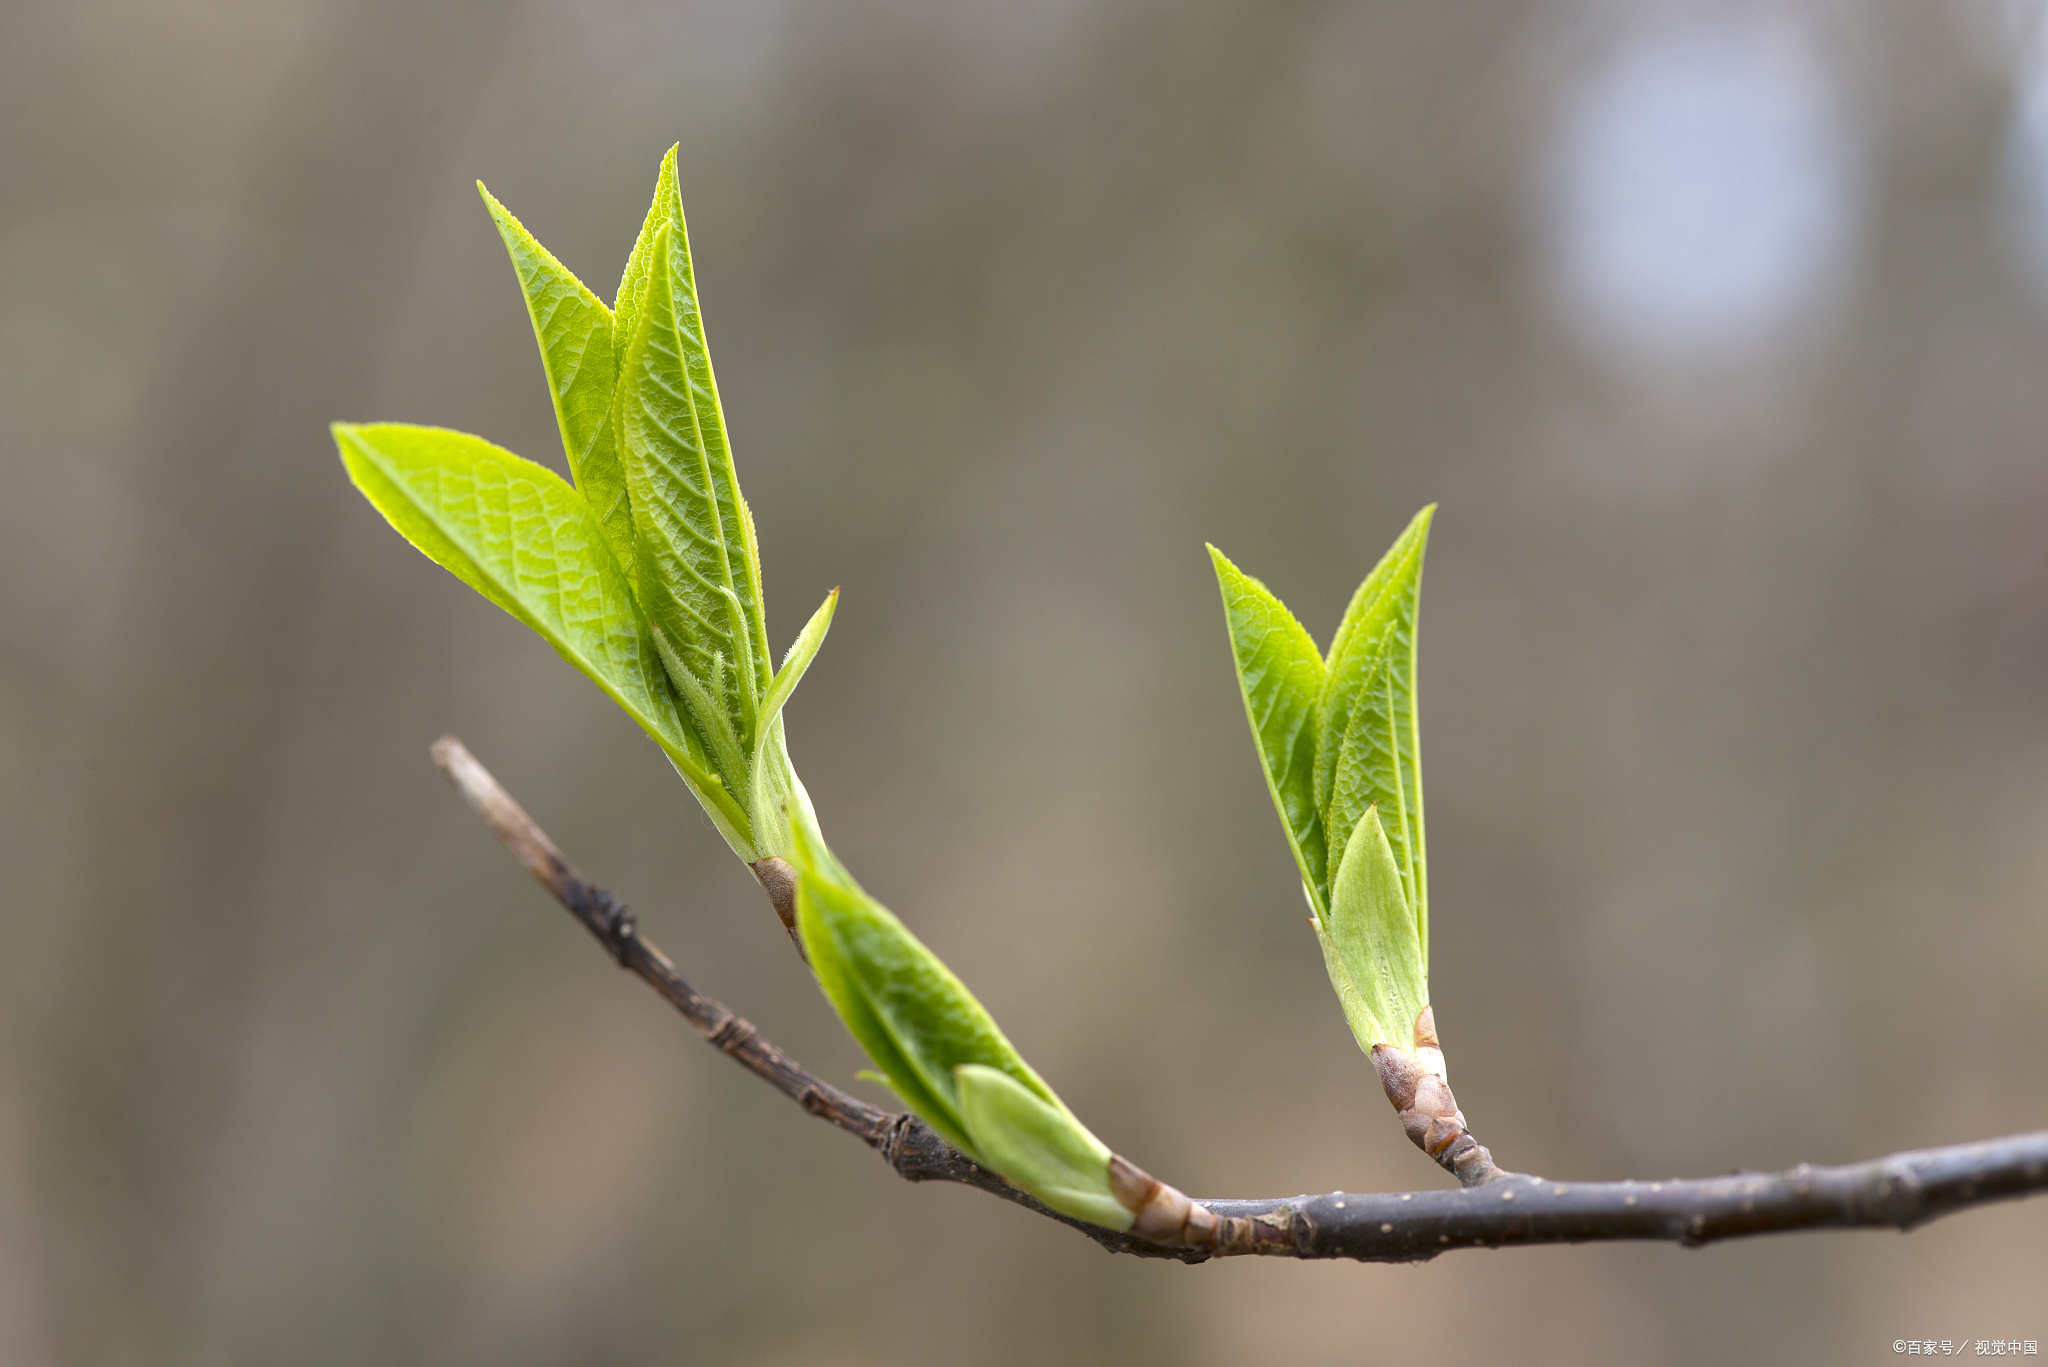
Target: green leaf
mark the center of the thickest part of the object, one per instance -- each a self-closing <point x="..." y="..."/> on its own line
<point x="1370" y="944"/>
<point x="737" y="518"/>
<point x="844" y="990"/>
<point x="649" y="261"/>
<point x="801" y="652"/>
<point x="666" y="208"/>
<point x="518" y="534"/>
<point x="1280" y="674"/>
<point x="694" y="574"/>
<point x="776" y="788"/>
<point x="938" y="1049"/>
<point x="916" y="1020"/>
<point x="713" y="724"/>
<point x="1038" y="1147"/>
<point x="574" y="329"/>
<point x="1367" y="750"/>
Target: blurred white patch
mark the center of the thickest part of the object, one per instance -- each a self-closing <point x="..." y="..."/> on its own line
<point x="2023" y="160"/>
<point x="1702" y="192"/>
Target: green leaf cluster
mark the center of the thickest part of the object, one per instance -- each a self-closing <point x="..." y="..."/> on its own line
<point x="645" y="572"/>
<point x="939" y="1049"/>
<point x="1337" y="737"/>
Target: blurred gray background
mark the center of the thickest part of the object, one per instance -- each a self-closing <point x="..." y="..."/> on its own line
<point x="1721" y="333"/>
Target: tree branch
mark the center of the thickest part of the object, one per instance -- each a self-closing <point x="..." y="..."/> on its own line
<point x="1899" y="1192"/>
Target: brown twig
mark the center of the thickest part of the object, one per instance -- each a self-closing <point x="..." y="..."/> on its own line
<point x="1506" y="1209"/>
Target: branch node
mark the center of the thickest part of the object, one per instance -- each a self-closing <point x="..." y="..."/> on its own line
<point x="1898" y="1194"/>
<point x="614" y="921"/>
<point x="733" y="1034"/>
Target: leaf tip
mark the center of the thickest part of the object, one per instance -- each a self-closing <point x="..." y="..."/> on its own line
<point x="1225" y="569"/>
<point x="499" y="213"/>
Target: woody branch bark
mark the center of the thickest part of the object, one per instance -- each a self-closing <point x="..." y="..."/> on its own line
<point x="1495" y="1209"/>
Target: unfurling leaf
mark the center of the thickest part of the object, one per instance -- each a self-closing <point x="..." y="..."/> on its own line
<point x="671" y="390"/>
<point x="574" y="329"/>
<point x="1369" y="942"/>
<point x="695" y="573"/>
<point x="1280" y="675"/>
<point x="516" y="533"/>
<point x="1367" y="751"/>
<point x="1037" y="1147"/>
<point x="801" y="652"/>
<point x="881" y="977"/>
<point x="666" y="208"/>
<point x="1337" y="737"/>
<point x="938" y="1048"/>
<point x="668" y="563"/>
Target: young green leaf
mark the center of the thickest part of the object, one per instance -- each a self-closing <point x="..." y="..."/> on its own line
<point x="518" y="534"/>
<point x="916" y="1020"/>
<point x="638" y="409"/>
<point x="1280" y="674"/>
<point x="1370" y="944"/>
<point x="666" y="208"/>
<point x="844" y="989"/>
<point x="702" y="700"/>
<point x="574" y="329"/>
<point x="694" y="575"/>
<point x="1367" y="752"/>
<point x="801" y="652"/>
<point x="938" y="1048"/>
<point x="1038" y="1147"/>
<point x="737" y="518"/>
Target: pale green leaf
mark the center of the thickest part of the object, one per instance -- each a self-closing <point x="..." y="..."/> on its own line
<point x="693" y="573"/>
<point x="666" y="208"/>
<point x="1367" y="748"/>
<point x="695" y="354"/>
<point x="1280" y="675"/>
<point x="1370" y="944"/>
<point x="801" y="652"/>
<point x="574" y="329"/>
<point x="844" y="989"/>
<point x="916" y="1020"/>
<point x="518" y="534"/>
<point x="1038" y="1146"/>
<point x="713" y="724"/>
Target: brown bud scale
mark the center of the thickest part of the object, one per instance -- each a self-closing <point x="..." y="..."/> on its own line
<point x="777" y="878"/>
<point x="1415" y="1085"/>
